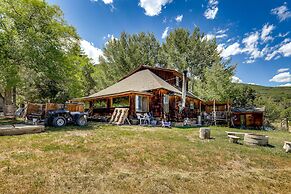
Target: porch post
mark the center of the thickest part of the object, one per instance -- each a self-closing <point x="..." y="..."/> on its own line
<point x="109" y="104"/>
<point x="214" y="113"/>
<point x="132" y="105"/>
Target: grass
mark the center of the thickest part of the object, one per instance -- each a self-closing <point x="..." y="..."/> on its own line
<point x="134" y="159"/>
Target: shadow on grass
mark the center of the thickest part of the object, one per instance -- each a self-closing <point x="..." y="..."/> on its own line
<point x="270" y="146"/>
<point x="187" y="127"/>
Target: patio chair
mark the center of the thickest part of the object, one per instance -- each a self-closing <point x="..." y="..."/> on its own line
<point x="166" y="124"/>
<point x="141" y="118"/>
<point x="148" y="118"/>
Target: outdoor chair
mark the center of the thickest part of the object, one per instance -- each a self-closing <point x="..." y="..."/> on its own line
<point x="166" y="124"/>
<point x="148" y="118"/>
<point x="141" y="118"/>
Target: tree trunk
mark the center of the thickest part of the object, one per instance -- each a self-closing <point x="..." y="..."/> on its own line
<point x="14" y="96"/>
<point x="9" y="106"/>
<point x="8" y="97"/>
<point x="1" y="103"/>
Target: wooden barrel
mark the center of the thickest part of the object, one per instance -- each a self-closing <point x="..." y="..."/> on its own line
<point x="204" y="133"/>
<point x="10" y="110"/>
<point x="256" y="139"/>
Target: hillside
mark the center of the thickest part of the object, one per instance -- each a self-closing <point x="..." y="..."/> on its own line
<point x="275" y="92"/>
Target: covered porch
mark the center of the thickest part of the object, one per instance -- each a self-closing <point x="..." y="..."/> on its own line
<point x="103" y="106"/>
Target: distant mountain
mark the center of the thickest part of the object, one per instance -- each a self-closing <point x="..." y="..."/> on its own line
<point x="275" y="92"/>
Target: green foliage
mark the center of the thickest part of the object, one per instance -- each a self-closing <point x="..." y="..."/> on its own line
<point x="216" y="84"/>
<point x="192" y="51"/>
<point x="243" y="96"/>
<point x="276" y="100"/>
<point x="39" y="52"/>
<point x="286" y="113"/>
<point x="272" y="109"/>
<point x="180" y="51"/>
<point x="126" y="53"/>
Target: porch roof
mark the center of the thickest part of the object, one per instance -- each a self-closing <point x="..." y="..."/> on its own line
<point x="126" y="93"/>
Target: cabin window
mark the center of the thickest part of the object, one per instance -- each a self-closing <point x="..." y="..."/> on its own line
<point x="102" y="103"/>
<point x="177" y="81"/>
<point x="192" y="105"/>
<point x="141" y="104"/>
<point x="120" y="102"/>
<point x="166" y="103"/>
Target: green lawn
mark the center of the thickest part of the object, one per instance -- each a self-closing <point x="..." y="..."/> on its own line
<point x="133" y="159"/>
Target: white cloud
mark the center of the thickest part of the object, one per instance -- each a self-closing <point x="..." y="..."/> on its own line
<point x="91" y="51"/>
<point x="271" y="55"/>
<point x="209" y="36"/>
<point x="218" y="35"/>
<point x="212" y="9"/>
<point x="221" y="36"/>
<point x="251" y="40"/>
<point x="153" y="7"/>
<point x="235" y="79"/>
<point x="285" y="85"/>
<point x="251" y="47"/>
<point x="105" y="1"/>
<point x="281" y="77"/>
<point x="232" y="49"/>
<point x="283" y="70"/>
<point x="266" y="31"/>
<point x="285" y="49"/>
<point x="282" y="12"/>
<point x="165" y="33"/>
<point x="249" y="61"/>
<point x="251" y="83"/>
<point x="179" y="18"/>
<point x="254" y="45"/>
<point x="283" y="35"/>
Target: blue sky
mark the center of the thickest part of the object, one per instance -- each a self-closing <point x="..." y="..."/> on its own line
<point x="255" y="34"/>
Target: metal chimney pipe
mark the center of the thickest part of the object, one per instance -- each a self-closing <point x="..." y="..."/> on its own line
<point x="184" y="89"/>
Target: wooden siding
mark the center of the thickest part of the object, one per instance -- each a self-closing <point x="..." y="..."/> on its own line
<point x="251" y="119"/>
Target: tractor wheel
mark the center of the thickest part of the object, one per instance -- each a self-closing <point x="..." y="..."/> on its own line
<point x="82" y="121"/>
<point x="59" y="122"/>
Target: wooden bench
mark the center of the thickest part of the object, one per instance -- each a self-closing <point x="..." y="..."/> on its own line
<point x="233" y="138"/>
<point x="287" y="146"/>
<point x="234" y="133"/>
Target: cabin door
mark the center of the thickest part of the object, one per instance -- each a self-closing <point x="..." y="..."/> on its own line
<point x="242" y="121"/>
<point x="249" y="120"/>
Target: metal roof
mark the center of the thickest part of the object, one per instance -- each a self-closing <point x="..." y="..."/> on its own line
<point x="139" y="82"/>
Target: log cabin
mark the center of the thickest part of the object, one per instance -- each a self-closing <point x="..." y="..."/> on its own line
<point x="147" y="90"/>
<point x="158" y="91"/>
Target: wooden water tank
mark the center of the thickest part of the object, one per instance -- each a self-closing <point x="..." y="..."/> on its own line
<point x="256" y="139"/>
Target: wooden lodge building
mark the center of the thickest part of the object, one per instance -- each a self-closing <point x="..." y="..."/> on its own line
<point x="147" y="90"/>
<point x="159" y="91"/>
